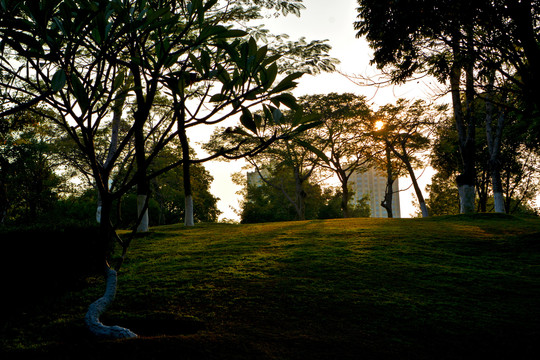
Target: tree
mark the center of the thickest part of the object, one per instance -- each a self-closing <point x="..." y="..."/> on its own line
<point x="517" y="166"/>
<point x="404" y="133"/>
<point x="170" y="194"/>
<point x="442" y="198"/>
<point x="469" y="45"/>
<point x="263" y="201"/>
<point x="393" y="169"/>
<point x="76" y="56"/>
<point x="433" y="38"/>
<point x="342" y="140"/>
<point x="29" y="184"/>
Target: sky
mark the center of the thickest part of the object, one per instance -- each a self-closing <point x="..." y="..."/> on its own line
<point x="333" y="21"/>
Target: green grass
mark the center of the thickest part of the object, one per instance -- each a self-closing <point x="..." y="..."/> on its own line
<point x="439" y="288"/>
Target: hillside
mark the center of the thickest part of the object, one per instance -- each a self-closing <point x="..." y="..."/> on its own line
<point x="446" y="287"/>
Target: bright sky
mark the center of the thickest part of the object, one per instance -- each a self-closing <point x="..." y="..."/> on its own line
<point x="333" y="21"/>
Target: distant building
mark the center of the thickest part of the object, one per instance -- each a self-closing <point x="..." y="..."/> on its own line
<point x="371" y="183"/>
<point x="254" y="178"/>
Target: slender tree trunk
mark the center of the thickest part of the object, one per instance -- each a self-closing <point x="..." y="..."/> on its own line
<point x="494" y="140"/>
<point x="143" y="225"/>
<point x="98" y="307"/>
<point x="300" y="195"/>
<point x="188" y="196"/>
<point x="466" y="132"/>
<point x="417" y="189"/>
<point x="118" y="107"/>
<point x="345" y="196"/>
<point x="98" y="209"/>
<point x="189" y="220"/>
<point x="143" y="186"/>
<point x="498" y="196"/>
<point x="389" y="191"/>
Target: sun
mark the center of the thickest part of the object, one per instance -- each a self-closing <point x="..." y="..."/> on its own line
<point x="379" y="124"/>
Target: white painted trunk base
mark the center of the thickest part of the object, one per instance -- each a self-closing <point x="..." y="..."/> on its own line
<point x="498" y="199"/>
<point x="424" y="209"/>
<point x="143" y="226"/>
<point x="188" y="216"/>
<point x="98" y="214"/>
<point x="467" y="195"/>
<point x="97" y="308"/>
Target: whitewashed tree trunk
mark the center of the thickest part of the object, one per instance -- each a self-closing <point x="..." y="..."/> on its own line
<point x="424" y="209"/>
<point x="97" y="308"/>
<point x="188" y="216"/>
<point x="467" y="195"/>
<point x="498" y="198"/>
<point x="98" y="213"/>
<point x="143" y="225"/>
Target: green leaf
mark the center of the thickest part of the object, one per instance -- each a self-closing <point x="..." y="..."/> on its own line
<point x="196" y="63"/>
<point x="247" y="120"/>
<point x="232" y="33"/>
<point x="80" y="92"/>
<point x="277" y="115"/>
<point x="209" y="4"/>
<point x="58" y="80"/>
<point x="271" y="59"/>
<point x="219" y="98"/>
<point x="287" y="83"/>
<point x="118" y="80"/>
<point x="321" y="155"/>
<point x="286" y="99"/>
<point x="268" y="76"/>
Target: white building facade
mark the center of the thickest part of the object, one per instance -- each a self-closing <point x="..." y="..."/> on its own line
<point x="373" y="184"/>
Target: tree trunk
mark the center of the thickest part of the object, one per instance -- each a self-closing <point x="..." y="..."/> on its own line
<point x="188" y="218"/>
<point x="467" y="195"/>
<point x="389" y="191"/>
<point x="498" y="196"/>
<point x="345" y="197"/>
<point x="466" y="132"/>
<point x="300" y="196"/>
<point x="494" y="140"/>
<point x="417" y="189"/>
<point x="143" y="225"/>
<point x="98" y="210"/>
<point x="118" y="107"/>
<point x="97" y="308"/>
<point x="188" y="196"/>
<point x="143" y="186"/>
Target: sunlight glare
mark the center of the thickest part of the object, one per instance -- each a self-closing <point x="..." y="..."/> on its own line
<point x="379" y="124"/>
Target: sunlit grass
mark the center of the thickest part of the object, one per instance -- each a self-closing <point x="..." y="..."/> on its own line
<point x="384" y="288"/>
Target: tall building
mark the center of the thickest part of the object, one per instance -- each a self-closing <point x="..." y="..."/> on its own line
<point x="371" y="183"/>
<point x="254" y="178"/>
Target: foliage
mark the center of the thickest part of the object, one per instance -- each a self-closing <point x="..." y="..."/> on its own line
<point x="333" y="207"/>
<point x="29" y="181"/>
<point x="443" y="196"/>
<point x="517" y="162"/>
<point x="268" y="200"/>
<point x="343" y="141"/>
<point x="414" y="288"/>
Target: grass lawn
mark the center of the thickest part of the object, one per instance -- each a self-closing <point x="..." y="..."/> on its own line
<point x="439" y="288"/>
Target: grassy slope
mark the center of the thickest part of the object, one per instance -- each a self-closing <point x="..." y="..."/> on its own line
<point x="357" y="288"/>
